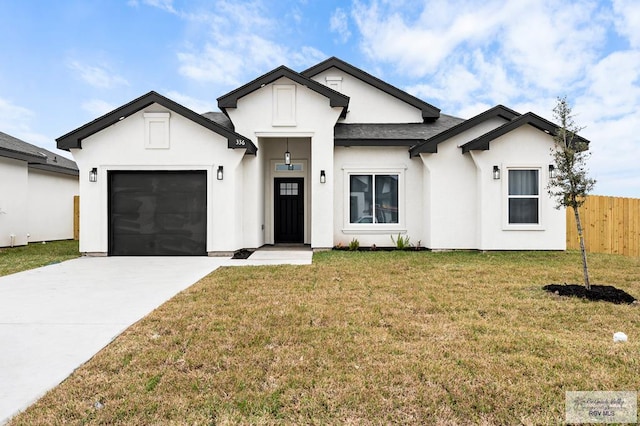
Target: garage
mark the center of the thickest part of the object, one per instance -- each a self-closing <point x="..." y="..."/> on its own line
<point x="157" y="213"/>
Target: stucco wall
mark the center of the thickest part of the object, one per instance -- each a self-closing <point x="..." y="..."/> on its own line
<point x="451" y="196"/>
<point x="50" y="205"/>
<point x="525" y="147"/>
<point x="314" y="120"/>
<point x="368" y="104"/>
<point x="192" y="147"/>
<point x="391" y="160"/>
<point x="13" y="202"/>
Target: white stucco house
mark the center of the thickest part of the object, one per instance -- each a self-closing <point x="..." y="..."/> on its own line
<point x="36" y="193"/>
<point x="317" y="157"/>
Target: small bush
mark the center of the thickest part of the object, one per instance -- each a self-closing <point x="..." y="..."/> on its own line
<point x="402" y="242"/>
<point x="354" y="245"/>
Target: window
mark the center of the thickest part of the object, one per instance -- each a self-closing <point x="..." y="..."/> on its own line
<point x="373" y="198"/>
<point x="524" y="197"/>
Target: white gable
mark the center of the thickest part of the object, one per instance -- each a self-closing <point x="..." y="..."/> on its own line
<point x="368" y="104"/>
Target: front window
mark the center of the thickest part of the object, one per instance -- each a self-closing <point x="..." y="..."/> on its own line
<point x="373" y="198"/>
<point x="524" y="197"/>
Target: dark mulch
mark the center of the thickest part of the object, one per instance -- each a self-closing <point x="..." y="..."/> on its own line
<point x="606" y="293"/>
<point x="242" y="254"/>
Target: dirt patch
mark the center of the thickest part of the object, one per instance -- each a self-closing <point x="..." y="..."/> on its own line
<point x="605" y="293"/>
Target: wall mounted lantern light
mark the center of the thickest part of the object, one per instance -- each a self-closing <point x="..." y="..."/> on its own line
<point x="287" y="155"/>
<point x="220" y="173"/>
<point x="93" y="175"/>
<point x="552" y="171"/>
<point x="323" y="177"/>
<point x="496" y="172"/>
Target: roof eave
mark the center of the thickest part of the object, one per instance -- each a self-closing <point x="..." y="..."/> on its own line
<point x="429" y="112"/>
<point x="74" y="138"/>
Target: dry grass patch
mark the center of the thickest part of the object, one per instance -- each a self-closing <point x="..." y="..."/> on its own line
<point x="364" y="338"/>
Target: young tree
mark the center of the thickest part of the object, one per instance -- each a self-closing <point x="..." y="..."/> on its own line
<point x="571" y="184"/>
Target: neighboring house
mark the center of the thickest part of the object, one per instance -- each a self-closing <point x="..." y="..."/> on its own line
<point x="367" y="161"/>
<point x="36" y="193"/>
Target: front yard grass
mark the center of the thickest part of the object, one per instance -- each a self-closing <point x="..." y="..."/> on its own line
<point x="365" y="338"/>
<point x="34" y="255"/>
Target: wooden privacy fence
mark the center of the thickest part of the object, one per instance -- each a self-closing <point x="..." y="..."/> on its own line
<point x="76" y="217"/>
<point x="610" y="224"/>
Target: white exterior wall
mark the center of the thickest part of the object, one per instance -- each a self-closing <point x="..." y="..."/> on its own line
<point x="191" y="147"/>
<point x="13" y="202"/>
<point x="50" y="205"/>
<point x="392" y="160"/>
<point x="451" y="196"/>
<point x="525" y="147"/>
<point x="314" y="119"/>
<point x="368" y="104"/>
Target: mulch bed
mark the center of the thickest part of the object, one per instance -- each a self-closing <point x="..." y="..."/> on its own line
<point x="605" y="293"/>
<point x="242" y="254"/>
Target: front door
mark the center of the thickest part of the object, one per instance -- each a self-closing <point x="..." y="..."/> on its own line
<point x="288" y="210"/>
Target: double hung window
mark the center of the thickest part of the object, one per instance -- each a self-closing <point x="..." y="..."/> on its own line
<point x="524" y="196"/>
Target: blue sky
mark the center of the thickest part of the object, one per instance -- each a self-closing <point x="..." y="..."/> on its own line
<point x="66" y="62"/>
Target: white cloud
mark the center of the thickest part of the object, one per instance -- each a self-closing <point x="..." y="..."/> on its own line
<point x="198" y="105"/>
<point x="99" y="77"/>
<point x="97" y="107"/>
<point x="339" y="24"/>
<point x="16" y="121"/>
<point x="237" y="41"/>
<point x="627" y="20"/>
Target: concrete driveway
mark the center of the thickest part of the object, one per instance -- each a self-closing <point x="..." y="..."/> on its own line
<point x="55" y="318"/>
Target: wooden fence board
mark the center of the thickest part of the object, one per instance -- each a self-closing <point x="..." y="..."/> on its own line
<point x="76" y="217"/>
<point x="610" y="224"/>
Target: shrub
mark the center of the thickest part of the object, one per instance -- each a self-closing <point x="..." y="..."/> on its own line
<point x="402" y="242"/>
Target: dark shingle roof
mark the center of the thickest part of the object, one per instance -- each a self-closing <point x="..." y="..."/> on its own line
<point x="221" y="119"/>
<point x="35" y="156"/>
<point x="396" y="134"/>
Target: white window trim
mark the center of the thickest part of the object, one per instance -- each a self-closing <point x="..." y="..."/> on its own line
<point x="374" y="228"/>
<point x="542" y="201"/>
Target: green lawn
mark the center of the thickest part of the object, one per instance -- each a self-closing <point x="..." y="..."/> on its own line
<point x="364" y="338"/>
<point x="16" y="259"/>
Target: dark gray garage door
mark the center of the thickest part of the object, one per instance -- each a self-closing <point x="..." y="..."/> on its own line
<point x="158" y="213"/>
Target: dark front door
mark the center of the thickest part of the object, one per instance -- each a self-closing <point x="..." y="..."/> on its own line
<point x="157" y="213"/>
<point x="289" y="210"/>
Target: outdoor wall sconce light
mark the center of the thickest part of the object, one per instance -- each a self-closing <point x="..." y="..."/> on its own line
<point x="93" y="175"/>
<point x="323" y="177"/>
<point x="552" y="171"/>
<point x="287" y="155"/>
<point x="496" y="172"/>
<point x="220" y="174"/>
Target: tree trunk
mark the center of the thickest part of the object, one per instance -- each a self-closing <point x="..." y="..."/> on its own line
<point x="585" y="267"/>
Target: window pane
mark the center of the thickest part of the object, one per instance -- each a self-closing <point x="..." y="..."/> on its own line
<point x="361" y="198"/>
<point x="523" y="182"/>
<point x="523" y="210"/>
<point x="386" y="208"/>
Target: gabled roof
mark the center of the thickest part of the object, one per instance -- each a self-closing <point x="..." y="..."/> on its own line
<point x="395" y="134"/>
<point x="482" y="142"/>
<point x="74" y="138"/>
<point x="36" y="157"/>
<point x="336" y="99"/>
<point x="429" y="112"/>
<point x="431" y="145"/>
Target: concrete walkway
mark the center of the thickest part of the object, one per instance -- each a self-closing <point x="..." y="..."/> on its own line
<point x="55" y="318"/>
